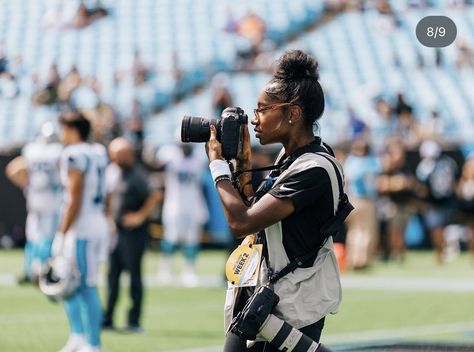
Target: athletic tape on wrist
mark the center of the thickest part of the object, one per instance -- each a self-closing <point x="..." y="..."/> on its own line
<point x="219" y="168"/>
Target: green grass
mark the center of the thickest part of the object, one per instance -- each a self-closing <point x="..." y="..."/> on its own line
<point x="178" y="318"/>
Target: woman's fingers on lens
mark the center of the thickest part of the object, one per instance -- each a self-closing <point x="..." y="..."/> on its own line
<point x="213" y="147"/>
<point x="213" y="133"/>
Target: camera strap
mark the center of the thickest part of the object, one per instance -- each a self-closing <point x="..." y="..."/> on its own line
<point x="282" y="163"/>
<point x="266" y="168"/>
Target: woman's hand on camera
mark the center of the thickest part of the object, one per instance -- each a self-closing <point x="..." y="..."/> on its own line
<point x="244" y="159"/>
<point x="213" y="146"/>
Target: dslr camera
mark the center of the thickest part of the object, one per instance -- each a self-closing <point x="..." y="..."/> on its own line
<point x="230" y="130"/>
<point x="259" y="306"/>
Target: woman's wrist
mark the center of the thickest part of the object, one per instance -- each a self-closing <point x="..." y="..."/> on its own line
<point x="219" y="168"/>
<point x="214" y="156"/>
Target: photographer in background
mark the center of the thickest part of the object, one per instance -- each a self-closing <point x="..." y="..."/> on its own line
<point x="298" y="283"/>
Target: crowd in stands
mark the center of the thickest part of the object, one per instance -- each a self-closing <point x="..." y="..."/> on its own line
<point x="70" y="15"/>
<point x="398" y="172"/>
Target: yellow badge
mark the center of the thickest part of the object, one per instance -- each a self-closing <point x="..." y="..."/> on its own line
<point x="243" y="265"/>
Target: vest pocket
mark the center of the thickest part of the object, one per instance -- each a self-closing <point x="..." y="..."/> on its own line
<point x="308" y="294"/>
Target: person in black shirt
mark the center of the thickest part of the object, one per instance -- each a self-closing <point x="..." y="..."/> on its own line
<point x="397" y="187"/>
<point x="437" y="173"/>
<point x="130" y="202"/>
<point x="292" y="205"/>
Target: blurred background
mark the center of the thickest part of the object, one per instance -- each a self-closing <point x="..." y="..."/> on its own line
<point x="399" y="115"/>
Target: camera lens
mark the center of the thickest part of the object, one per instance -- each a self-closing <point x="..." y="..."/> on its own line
<point x="196" y="129"/>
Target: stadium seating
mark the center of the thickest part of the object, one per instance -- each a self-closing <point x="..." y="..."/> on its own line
<point x="363" y="56"/>
<point x="190" y="32"/>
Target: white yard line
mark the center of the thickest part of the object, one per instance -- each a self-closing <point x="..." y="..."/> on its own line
<point x="202" y="349"/>
<point x="405" y="284"/>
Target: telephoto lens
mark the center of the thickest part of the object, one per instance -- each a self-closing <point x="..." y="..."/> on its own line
<point x="283" y="336"/>
<point x="197" y="129"/>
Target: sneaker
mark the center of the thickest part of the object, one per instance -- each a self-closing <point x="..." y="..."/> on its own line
<point x="74" y="343"/>
<point x="165" y="271"/>
<point x="134" y="329"/>
<point x="89" y="348"/>
<point x="190" y="280"/>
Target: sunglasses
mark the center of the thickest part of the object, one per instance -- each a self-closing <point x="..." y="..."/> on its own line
<point x="257" y="111"/>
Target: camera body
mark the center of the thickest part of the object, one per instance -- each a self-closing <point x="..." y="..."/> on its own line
<point x="249" y="321"/>
<point x="230" y="130"/>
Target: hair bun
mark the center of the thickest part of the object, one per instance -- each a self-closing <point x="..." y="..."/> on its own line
<point x="296" y="64"/>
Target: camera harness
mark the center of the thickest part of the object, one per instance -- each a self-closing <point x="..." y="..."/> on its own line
<point x="330" y="228"/>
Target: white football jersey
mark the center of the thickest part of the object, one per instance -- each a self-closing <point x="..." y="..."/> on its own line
<point x="184" y="198"/>
<point x="43" y="193"/>
<point x="91" y="160"/>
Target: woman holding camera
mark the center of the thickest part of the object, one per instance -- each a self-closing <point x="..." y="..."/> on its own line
<point x="290" y="214"/>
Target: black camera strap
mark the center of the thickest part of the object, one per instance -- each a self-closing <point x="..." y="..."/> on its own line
<point x="282" y="163"/>
<point x="294" y="264"/>
<point x="266" y="168"/>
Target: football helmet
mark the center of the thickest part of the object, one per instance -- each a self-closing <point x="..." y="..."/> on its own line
<point x="60" y="278"/>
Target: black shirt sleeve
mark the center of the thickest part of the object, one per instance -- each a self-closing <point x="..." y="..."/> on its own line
<point x="303" y="188"/>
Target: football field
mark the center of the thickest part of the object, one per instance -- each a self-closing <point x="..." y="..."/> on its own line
<point x="414" y="301"/>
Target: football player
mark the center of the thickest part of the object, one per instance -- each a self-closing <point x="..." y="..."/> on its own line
<point x="36" y="171"/>
<point x="83" y="228"/>
<point x="184" y="209"/>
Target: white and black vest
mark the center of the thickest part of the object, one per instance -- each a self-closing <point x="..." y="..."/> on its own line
<point x="306" y="294"/>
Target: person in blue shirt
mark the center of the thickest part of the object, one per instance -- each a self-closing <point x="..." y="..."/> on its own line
<point x="362" y="234"/>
